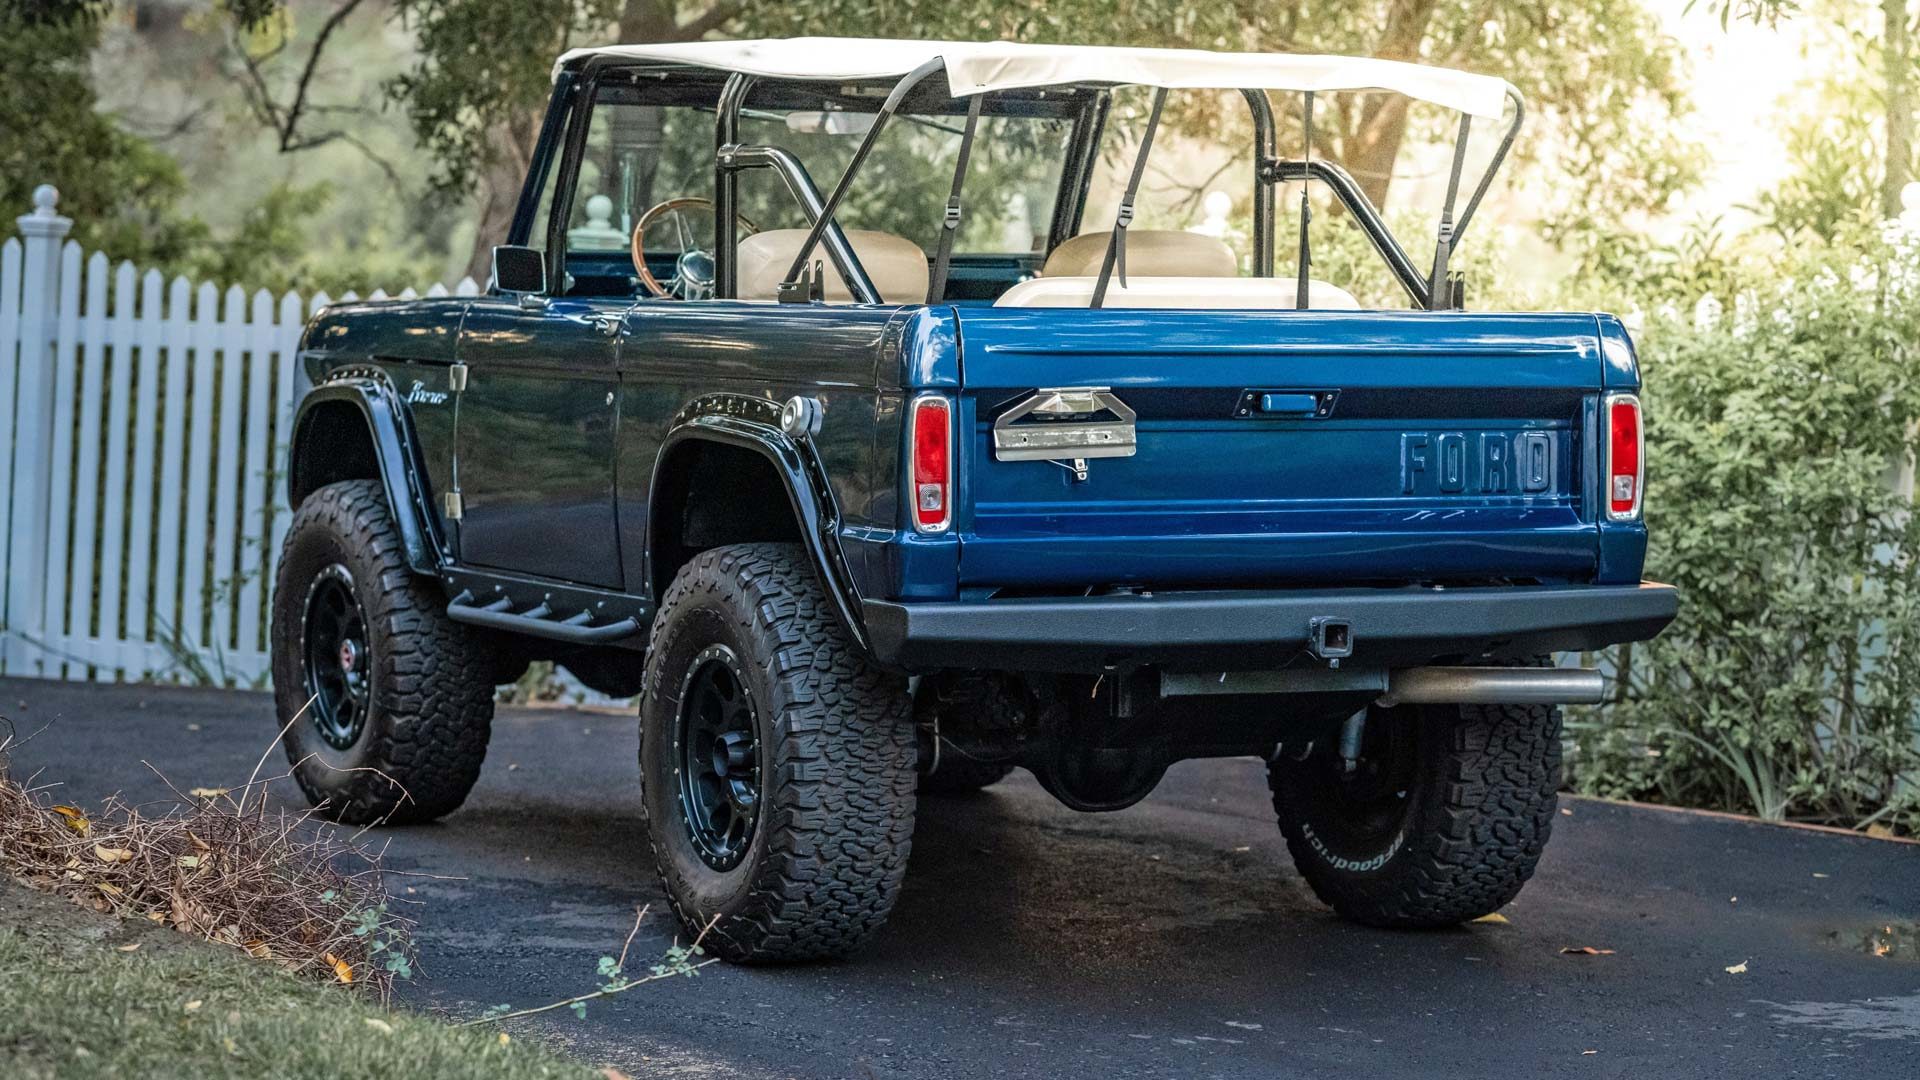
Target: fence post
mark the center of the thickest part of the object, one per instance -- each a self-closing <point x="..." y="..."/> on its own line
<point x="25" y="622"/>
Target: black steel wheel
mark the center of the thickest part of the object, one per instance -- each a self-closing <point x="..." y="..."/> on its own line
<point x="334" y="643"/>
<point x="717" y="744"/>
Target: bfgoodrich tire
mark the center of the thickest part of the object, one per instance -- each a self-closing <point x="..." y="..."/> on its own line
<point x="386" y="702"/>
<point x="777" y="765"/>
<point x="1443" y="821"/>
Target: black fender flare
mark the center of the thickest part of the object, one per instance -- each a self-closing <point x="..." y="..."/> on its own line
<point x="396" y="457"/>
<point x="753" y="424"/>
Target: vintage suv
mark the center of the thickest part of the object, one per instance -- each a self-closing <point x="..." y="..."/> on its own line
<point x="881" y="488"/>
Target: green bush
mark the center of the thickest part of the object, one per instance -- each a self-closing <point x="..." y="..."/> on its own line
<point x="1781" y="442"/>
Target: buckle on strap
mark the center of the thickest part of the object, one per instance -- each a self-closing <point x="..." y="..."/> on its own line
<point x="952" y="218"/>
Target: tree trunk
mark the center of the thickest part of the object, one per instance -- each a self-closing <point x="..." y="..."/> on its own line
<point x="1898" y="64"/>
<point x="512" y="145"/>
<point x="1372" y="148"/>
<point x="509" y="154"/>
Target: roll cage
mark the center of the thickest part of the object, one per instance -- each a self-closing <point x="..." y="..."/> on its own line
<point x="1087" y="105"/>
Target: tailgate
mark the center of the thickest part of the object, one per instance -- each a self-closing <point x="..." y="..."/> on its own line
<point x="1285" y="448"/>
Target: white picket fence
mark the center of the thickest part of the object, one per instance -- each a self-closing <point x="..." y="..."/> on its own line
<point x="143" y="426"/>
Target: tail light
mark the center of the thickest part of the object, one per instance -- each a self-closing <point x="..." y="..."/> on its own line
<point x="1626" y="467"/>
<point x="931" y="434"/>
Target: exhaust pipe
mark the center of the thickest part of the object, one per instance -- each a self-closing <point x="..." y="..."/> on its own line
<point x="1494" y="686"/>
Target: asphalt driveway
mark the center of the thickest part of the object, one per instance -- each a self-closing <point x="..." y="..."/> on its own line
<point x="1169" y="940"/>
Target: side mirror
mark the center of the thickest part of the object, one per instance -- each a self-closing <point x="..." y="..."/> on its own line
<point x="520" y="270"/>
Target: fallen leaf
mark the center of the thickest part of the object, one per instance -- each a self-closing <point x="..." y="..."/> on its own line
<point x="232" y="1047"/>
<point x="109" y="889"/>
<point x="1585" y="950"/>
<point x="112" y="854"/>
<point x="154" y="916"/>
<point x="76" y="820"/>
<point x="1564" y="812"/>
<point x="1494" y="919"/>
<point x="208" y="792"/>
<point x="1879" y="831"/>
<point x="1881" y="948"/>
<point x="505" y="1038"/>
<point x="379" y="1025"/>
<point x="341" y="969"/>
<point x="198" y="843"/>
<point x="611" y="1073"/>
<point x="188" y="862"/>
<point x="1738" y="969"/>
<point x="128" y="948"/>
<point x="259" y="949"/>
<point x="193" y="1006"/>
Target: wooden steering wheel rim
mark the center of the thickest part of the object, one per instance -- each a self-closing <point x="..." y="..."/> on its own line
<point x="683" y="202"/>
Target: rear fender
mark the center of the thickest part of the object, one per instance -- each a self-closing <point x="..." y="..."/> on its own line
<point x="753" y="424"/>
<point x="365" y="392"/>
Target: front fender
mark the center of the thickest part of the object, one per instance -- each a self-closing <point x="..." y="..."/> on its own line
<point x="754" y="424"/>
<point x="396" y="456"/>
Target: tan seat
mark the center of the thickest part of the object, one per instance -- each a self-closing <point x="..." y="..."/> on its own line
<point x="895" y="264"/>
<point x="1150" y="253"/>
<point x="1247" y="294"/>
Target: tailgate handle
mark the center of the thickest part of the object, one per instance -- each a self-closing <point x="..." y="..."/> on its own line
<point x="1289" y="404"/>
<point x="1315" y="404"/>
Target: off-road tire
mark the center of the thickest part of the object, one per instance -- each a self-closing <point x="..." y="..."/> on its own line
<point x="430" y="702"/>
<point x="1476" y="815"/>
<point x="961" y="776"/>
<point x="836" y="756"/>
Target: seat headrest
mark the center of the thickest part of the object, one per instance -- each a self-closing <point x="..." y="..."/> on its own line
<point x="896" y="265"/>
<point x="1150" y="253"/>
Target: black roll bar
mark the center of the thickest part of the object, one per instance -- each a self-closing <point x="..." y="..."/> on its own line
<point x="1347" y="190"/>
<point x="736" y="159"/>
<point x="1265" y="146"/>
<point x="726" y="198"/>
<point x="862" y="286"/>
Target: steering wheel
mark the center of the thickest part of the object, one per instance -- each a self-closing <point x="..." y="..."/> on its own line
<point x="693" y="271"/>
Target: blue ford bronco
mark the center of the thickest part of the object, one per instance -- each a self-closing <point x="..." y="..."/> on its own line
<point x="880" y="416"/>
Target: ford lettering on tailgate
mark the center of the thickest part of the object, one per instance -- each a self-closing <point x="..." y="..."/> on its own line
<point x="1477" y="462"/>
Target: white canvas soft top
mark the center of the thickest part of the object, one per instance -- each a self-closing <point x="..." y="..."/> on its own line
<point x="979" y="67"/>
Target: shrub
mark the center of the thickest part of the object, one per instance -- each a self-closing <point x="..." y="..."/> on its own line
<point x="1780" y="500"/>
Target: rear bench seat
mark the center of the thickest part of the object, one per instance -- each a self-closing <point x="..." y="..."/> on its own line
<point x="1165" y="269"/>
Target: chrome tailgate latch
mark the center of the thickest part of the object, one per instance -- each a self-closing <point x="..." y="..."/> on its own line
<point x="1066" y="425"/>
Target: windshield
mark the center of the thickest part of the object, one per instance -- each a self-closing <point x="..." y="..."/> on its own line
<point x="639" y="154"/>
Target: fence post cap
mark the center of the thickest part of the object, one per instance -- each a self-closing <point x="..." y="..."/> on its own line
<point x="44" y="221"/>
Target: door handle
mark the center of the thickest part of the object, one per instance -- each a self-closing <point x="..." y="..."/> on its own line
<point x="609" y="325"/>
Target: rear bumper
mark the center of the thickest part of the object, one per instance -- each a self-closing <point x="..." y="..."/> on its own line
<point x="1250" y="630"/>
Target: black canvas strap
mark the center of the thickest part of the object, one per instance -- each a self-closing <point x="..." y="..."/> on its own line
<point x="950" y="225"/>
<point x="1117" y="245"/>
<point x="1306" y="209"/>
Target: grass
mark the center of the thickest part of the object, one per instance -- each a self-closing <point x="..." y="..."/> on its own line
<point x="75" y="1001"/>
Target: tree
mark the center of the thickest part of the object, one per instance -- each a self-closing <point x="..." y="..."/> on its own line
<point x="1896" y="62"/>
<point x="118" y="188"/>
<point x="475" y="96"/>
<point x="1601" y="79"/>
